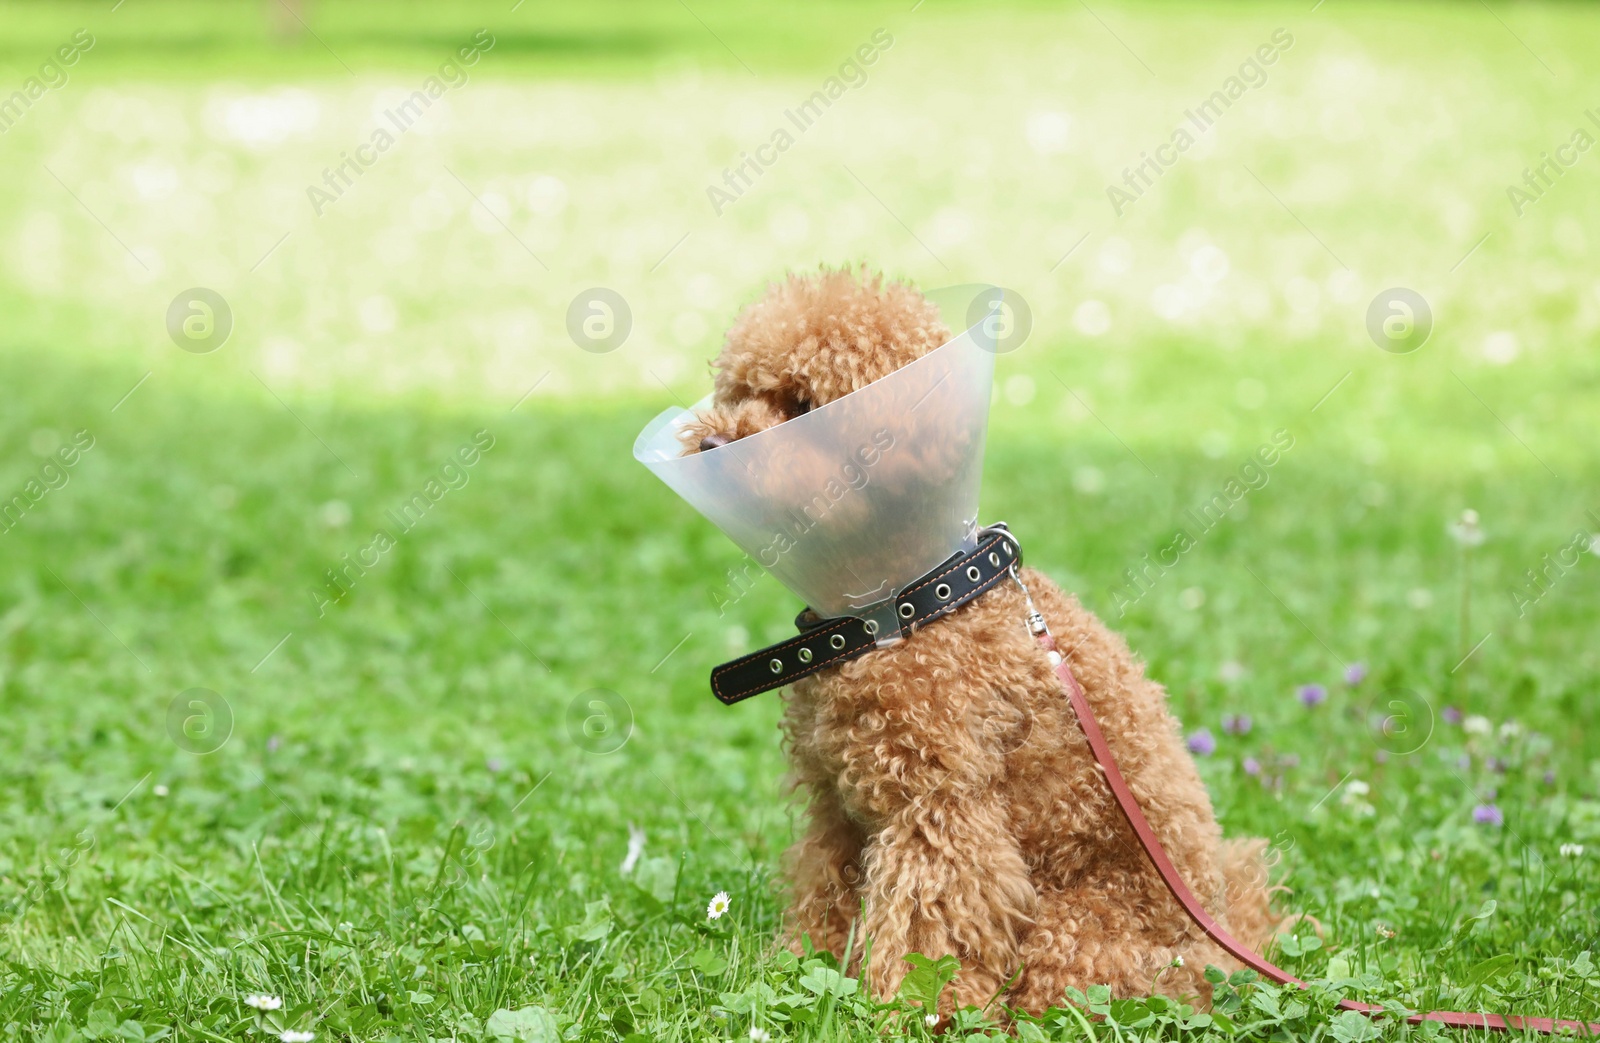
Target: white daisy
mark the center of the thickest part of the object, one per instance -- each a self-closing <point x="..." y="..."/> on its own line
<point x="718" y="906"/>
<point x="1466" y="531"/>
<point x="930" y="1020"/>
<point x="261" y="1001"/>
<point x="1477" y="725"/>
<point x="293" y="1036"/>
<point x="1177" y="961"/>
<point x="1571" y="850"/>
<point x="759" y="1035"/>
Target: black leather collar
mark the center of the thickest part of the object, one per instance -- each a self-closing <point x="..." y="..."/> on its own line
<point x="828" y="642"/>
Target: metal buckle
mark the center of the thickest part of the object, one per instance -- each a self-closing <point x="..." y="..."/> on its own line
<point x="1034" y="620"/>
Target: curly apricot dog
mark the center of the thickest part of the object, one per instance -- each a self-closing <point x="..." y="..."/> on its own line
<point x="954" y="805"/>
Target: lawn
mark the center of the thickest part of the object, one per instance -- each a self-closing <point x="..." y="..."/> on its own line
<point x="468" y="782"/>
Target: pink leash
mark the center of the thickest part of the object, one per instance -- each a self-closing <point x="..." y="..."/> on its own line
<point x="1169" y="873"/>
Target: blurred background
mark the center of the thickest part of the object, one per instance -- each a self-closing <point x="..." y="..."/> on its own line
<point x="270" y="272"/>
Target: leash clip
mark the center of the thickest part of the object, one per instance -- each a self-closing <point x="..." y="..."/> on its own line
<point x="1034" y="620"/>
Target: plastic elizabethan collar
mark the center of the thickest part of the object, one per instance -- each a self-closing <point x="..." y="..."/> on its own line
<point x="847" y="504"/>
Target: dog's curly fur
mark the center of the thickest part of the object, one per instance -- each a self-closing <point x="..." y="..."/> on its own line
<point x="954" y="805"/>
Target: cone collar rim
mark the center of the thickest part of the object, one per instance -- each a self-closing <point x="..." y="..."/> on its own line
<point x="649" y="447"/>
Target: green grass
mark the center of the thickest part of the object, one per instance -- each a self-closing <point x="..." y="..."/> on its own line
<point x="407" y="828"/>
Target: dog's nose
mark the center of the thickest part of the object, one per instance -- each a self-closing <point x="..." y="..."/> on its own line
<point x="710" y="442"/>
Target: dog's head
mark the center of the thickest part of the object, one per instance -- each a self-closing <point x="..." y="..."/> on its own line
<point x="808" y="341"/>
<point x="869" y="473"/>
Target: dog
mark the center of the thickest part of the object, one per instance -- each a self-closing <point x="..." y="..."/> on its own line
<point x="953" y="804"/>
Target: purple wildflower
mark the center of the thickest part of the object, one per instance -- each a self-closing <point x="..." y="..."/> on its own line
<point x="1201" y="743"/>
<point x="1464" y="762"/>
<point x="273" y="743"/>
<point x="1488" y="815"/>
<point x="1382" y="756"/>
<point x="1451" y="715"/>
<point x="1237" y="723"/>
<point x="1290" y="760"/>
<point x="495" y="764"/>
<point x="1355" y="673"/>
<point x="1252" y="766"/>
<point x="1549" y="778"/>
<point x="1497" y="765"/>
<point x="1313" y="694"/>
